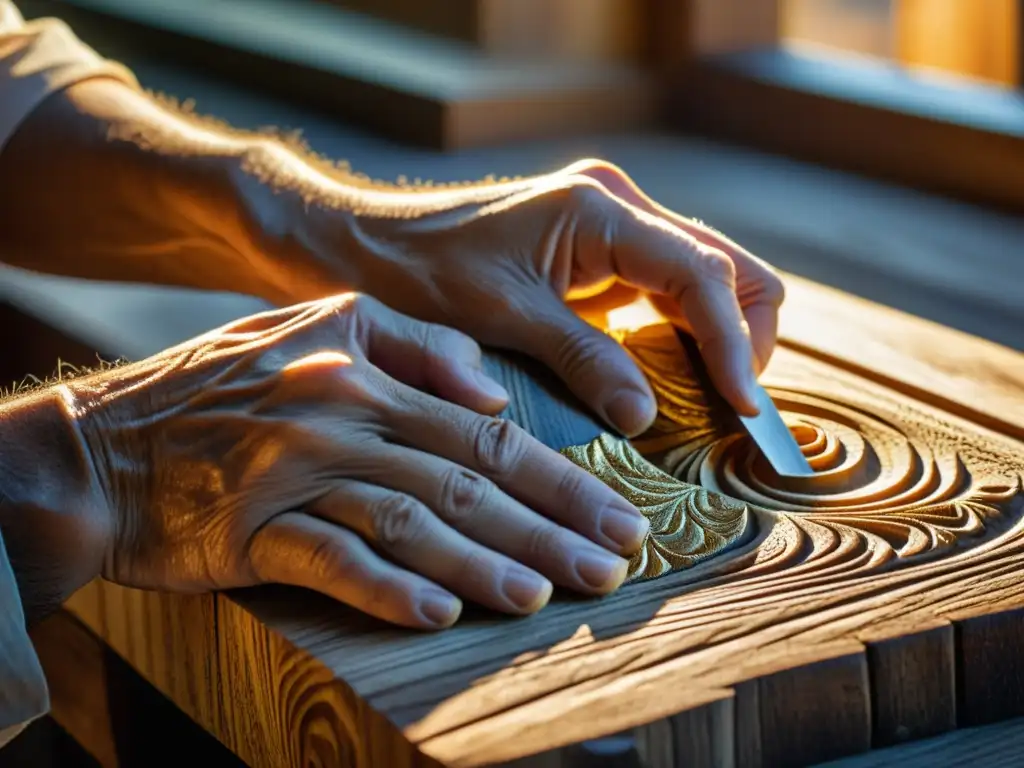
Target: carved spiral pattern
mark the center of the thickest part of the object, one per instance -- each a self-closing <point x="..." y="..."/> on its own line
<point x="890" y="481"/>
<point x="903" y="482"/>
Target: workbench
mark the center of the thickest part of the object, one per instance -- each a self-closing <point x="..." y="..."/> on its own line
<point x="924" y="651"/>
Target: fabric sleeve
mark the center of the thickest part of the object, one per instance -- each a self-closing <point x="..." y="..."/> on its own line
<point x="23" y="692"/>
<point x="38" y="58"/>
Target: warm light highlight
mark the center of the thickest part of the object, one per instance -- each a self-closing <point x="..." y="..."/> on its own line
<point x="327" y="358"/>
<point x="631" y="317"/>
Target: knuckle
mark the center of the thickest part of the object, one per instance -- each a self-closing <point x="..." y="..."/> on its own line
<point x="595" y="167"/>
<point x="463" y="495"/>
<point x="350" y="303"/>
<point x="327" y="561"/>
<point x="478" y="572"/>
<point x="498" y="446"/>
<point x="442" y="339"/>
<point x="586" y="194"/>
<point x="543" y="544"/>
<point x="349" y="316"/>
<point x="715" y="265"/>
<point x="380" y="596"/>
<point x="578" y="354"/>
<point x="398" y="521"/>
<point x="571" y="494"/>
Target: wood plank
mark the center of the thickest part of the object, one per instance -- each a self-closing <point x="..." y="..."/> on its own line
<point x="785" y="612"/>
<point x="913" y="683"/>
<point x="678" y="31"/>
<point x="598" y="30"/>
<point x="462" y="732"/>
<point x="405" y="84"/>
<point x="75" y="664"/>
<point x="979" y="40"/>
<point x="967" y="137"/>
<point x="994" y="746"/>
<point x="975" y="378"/>
<point x="118" y="718"/>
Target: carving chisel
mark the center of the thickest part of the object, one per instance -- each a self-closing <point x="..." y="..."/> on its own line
<point x="768" y="430"/>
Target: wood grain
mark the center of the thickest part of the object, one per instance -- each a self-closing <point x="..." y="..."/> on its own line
<point x="118" y="718"/>
<point x="75" y="665"/>
<point x="977" y="379"/>
<point x="994" y="746"/>
<point x="791" y="648"/>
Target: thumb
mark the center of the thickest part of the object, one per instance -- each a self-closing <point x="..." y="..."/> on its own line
<point x="593" y="365"/>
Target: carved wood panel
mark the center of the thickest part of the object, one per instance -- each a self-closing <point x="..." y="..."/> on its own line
<point x="792" y="621"/>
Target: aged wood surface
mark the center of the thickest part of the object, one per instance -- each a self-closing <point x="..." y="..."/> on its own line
<point x="118" y="718"/>
<point x="894" y="613"/>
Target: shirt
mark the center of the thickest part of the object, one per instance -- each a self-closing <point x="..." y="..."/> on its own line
<point x="37" y="59"/>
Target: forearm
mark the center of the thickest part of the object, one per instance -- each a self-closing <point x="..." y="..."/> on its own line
<point x="104" y="182"/>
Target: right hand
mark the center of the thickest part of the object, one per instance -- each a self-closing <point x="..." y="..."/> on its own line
<point x="298" y="446"/>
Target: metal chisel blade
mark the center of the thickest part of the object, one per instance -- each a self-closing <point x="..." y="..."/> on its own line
<point x="774" y="439"/>
<point x="768" y="430"/>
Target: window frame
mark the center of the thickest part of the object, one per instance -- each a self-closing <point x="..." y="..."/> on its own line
<point x="740" y="83"/>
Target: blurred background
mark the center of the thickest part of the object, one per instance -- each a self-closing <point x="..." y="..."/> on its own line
<point x="873" y="145"/>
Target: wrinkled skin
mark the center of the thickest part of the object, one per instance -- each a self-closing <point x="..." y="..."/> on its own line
<point x="500" y="262"/>
<point x="296" y="446"/>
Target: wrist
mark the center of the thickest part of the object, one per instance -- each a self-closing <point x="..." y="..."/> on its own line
<point x="302" y="222"/>
<point x="53" y="516"/>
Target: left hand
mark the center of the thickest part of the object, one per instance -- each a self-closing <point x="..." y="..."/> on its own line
<point x="503" y="261"/>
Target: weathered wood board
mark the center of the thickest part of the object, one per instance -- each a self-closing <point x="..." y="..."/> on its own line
<point x="885" y="607"/>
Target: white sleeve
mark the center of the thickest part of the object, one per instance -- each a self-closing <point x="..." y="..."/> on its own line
<point x="38" y="58"/>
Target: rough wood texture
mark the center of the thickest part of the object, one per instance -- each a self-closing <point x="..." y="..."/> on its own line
<point x="115" y="716"/>
<point x="808" y="643"/>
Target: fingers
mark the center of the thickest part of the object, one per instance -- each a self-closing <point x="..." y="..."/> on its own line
<point x="407" y="530"/>
<point x="479" y="510"/>
<point x="652" y="254"/>
<point x="530" y="472"/>
<point x="427" y="356"/>
<point x="760" y="290"/>
<point x="430" y="357"/>
<point x="304" y="551"/>
<point x="595" y="367"/>
<point x="763" y="320"/>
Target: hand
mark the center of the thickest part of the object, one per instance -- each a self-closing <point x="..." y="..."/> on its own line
<point x="295" y="446"/>
<point x="499" y="262"/>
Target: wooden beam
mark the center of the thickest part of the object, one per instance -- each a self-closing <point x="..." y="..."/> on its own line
<point x="680" y="31"/>
<point x="109" y="710"/>
<point x="973" y="39"/>
<point x="968" y="141"/>
<point x="406" y="85"/>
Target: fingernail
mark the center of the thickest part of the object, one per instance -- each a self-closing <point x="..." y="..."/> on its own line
<point x="489" y="386"/>
<point x="599" y="571"/>
<point x="439" y="608"/>
<point x="631" y="411"/>
<point x="752" y="396"/>
<point x="525" y="589"/>
<point x="625" y="527"/>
